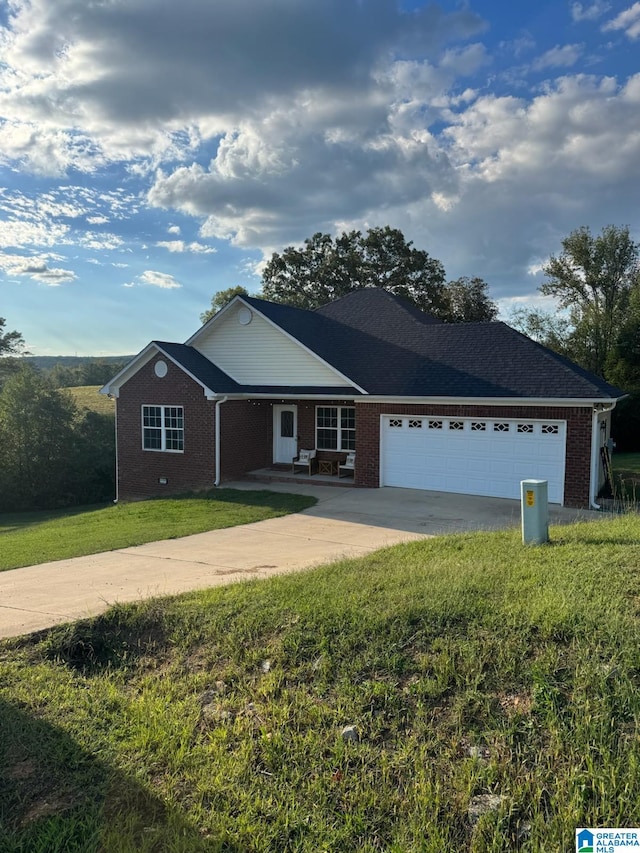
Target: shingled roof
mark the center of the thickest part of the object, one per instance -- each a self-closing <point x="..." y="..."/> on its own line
<point x="389" y="348"/>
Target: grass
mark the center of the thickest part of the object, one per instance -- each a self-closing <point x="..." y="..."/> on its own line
<point x="87" y="397"/>
<point x="626" y="475"/>
<point x="31" y="538"/>
<point x="626" y="464"/>
<point x="470" y="665"/>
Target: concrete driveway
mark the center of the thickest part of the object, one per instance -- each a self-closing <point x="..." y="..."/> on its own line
<point x="346" y="522"/>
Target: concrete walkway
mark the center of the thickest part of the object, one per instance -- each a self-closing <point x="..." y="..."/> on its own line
<point x="346" y="522"/>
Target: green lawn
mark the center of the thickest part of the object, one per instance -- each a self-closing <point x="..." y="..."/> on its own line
<point x="30" y="538"/>
<point x="470" y="665"/>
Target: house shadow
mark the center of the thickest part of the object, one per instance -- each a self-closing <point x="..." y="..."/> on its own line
<point x="56" y="797"/>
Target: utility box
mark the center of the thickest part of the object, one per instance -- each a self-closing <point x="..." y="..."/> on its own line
<point x="535" y="511"/>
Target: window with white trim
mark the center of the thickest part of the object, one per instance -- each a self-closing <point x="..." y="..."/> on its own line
<point x="335" y="428"/>
<point x="163" y="428"/>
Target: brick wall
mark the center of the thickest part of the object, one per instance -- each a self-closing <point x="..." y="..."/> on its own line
<point x="578" y="453"/>
<point x="246" y="436"/>
<point x="138" y="469"/>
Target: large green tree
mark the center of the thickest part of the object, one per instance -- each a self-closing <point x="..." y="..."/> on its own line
<point x="36" y="442"/>
<point x="468" y="301"/>
<point x="220" y="299"/>
<point x="593" y="277"/>
<point x="51" y="454"/>
<point x="324" y="269"/>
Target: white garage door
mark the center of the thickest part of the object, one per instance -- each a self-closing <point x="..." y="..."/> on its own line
<point x="473" y="456"/>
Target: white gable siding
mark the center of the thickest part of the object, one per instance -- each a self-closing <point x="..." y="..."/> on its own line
<point x="260" y="354"/>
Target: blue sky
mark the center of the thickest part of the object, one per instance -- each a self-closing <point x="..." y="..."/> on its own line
<point x="153" y="153"/>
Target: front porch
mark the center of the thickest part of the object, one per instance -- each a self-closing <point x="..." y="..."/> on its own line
<point x="284" y="474"/>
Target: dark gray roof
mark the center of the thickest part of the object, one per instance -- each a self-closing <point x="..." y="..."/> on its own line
<point x="200" y="367"/>
<point x="389" y="348"/>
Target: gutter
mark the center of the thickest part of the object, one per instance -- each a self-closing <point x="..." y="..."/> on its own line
<point x="217" y="428"/>
<point x="117" y="497"/>
<point x="595" y="447"/>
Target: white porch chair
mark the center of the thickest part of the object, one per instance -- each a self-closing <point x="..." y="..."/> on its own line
<point x="305" y="460"/>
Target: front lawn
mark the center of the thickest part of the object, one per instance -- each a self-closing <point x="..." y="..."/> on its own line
<point x="30" y="538"/>
<point x="494" y="690"/>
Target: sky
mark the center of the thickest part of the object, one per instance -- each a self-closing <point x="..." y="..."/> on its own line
<point x="153" y="153"/>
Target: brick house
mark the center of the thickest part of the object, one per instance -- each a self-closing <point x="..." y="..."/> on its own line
<point x="470" y="408"/>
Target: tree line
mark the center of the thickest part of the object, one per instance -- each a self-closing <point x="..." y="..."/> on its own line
<point x="325" y="269"/>
<point x="596" y="282"/>
<point x="52" y="454"/>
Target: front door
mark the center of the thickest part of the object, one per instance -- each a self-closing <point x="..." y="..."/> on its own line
<point x="285" y="433"/>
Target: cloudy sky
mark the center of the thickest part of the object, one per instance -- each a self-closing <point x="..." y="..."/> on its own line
<point x="154" y="152"/>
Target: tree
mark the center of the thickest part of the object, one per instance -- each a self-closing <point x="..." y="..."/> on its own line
<point x="36" y="443"/>
<point x="51" y="454"/>
<point x="593" y="278"/>
<point x="11" y="343"/>
<point x="468" y="301"/>
<point x="324" y="269"/>
<point x="550" y="330"/>
<point x="220" y="299"/>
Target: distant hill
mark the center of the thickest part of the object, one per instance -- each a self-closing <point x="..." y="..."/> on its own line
<point x="46" y="362"/>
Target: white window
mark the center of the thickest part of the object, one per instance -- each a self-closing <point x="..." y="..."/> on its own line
<point x="335" y="428"/>
<point x="163" y="428"/>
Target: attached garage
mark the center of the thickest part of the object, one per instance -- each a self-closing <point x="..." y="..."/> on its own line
<point x="476" y="456"/>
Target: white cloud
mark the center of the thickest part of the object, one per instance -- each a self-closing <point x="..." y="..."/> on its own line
<point x="559" y="57"/>
<point x="326" y="114"/>
<point x="22" y="233"/>
<point x="158" y="279"/>
<point x="35" y="267"/>
<point x="181" y="246"/>
<point x="100" y="242"/>
<point x="69" y="98"/>
<point x="589" y="11"/>
<point x="629" y="21"/>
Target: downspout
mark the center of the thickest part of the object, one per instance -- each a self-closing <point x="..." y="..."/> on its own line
<point x="116" y="438"/>
<point x="217" y="428"/>
<point x="595" y="455"/>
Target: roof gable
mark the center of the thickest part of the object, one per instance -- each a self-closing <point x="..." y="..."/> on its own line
<point x="212" y="380"/>
<point x="254" y="349"/>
